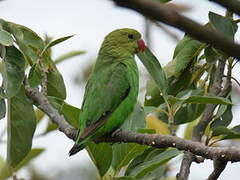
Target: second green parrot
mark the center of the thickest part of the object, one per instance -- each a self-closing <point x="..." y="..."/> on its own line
<point x="112" y="89"/>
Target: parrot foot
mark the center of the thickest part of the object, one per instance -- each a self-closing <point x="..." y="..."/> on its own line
<point x="117" y="131"/>
<point x="114" y="133"/>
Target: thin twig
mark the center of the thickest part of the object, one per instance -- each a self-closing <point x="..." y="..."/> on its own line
<point x="233" y="78"/>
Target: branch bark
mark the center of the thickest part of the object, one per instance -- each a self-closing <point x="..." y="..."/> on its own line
<point x="159" y="12"/>
<point x="219" y="166"/>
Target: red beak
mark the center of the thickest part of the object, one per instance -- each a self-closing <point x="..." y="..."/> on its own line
<point x="141" y="45"/>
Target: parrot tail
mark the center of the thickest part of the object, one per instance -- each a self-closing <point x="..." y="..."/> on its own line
<point x="77" y="147"/>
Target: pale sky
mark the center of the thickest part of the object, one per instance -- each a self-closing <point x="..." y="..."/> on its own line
<point x="90" y="21"/>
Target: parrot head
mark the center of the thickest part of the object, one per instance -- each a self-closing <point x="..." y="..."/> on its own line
<point x="123" y="41"/>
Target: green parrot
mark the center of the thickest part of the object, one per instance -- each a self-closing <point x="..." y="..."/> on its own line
<point x="112" y="89"/>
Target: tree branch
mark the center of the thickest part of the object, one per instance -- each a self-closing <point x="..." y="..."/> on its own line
<point x="159" y="12"/>
<point x="219" y="166"/>
<point x="162" y="141"/>
<point x="231" y="5"/>
<point x="155" y="140"/>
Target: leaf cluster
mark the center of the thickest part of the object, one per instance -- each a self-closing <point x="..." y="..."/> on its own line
<point x="26" y="61"/>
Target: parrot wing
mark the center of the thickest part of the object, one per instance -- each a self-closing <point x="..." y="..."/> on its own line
<point x="105" y="90"/>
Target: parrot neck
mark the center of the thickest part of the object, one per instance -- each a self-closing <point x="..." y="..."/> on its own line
<point x="114" y="52"/>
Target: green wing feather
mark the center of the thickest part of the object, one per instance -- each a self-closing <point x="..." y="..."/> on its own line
<point x="105" y="90"/>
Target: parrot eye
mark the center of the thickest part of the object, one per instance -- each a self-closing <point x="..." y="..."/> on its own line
<point x="130" y="36"/>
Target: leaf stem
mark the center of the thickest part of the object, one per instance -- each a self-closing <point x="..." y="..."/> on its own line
<point x="170" y="117"/>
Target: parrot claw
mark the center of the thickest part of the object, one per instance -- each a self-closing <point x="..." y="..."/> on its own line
<point x="117" y="131"/>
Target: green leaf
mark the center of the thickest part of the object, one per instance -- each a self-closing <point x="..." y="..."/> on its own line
<point x="155" y="174"/>
<point x="152" y="96"/>
<point x="28" y="41"/>
<point x="5" y="38"/>
<point x="184" y="112"/>
<point x="55" y="42"/>
<point x="221" y="110"/>
<point x="224" y="120"/>
<point x="35" y="76"/>
<point x="149" y="165"/>
<point x="155" y="70"/>
<point x="173" y="100"/>
<point x="188" y="113"/>
<point x="136" y="120"/>
<point x="70" y="112"/>
<point x="197" y="99"/>
<point x="56" y="102"/>
<point x="68" y="56"/>
<point x="21" y="127"/>
<point x="124" y="153"/>
<point x="101" y="155"/>
<point x="184" y="81"/>
<point x="13" y="71"/>
<point x="192" y="97"/>
<point x="198" y="73"/>
<point x="2" y="108"/>
<point x="189" y="92"/>
<point x="223" y="24"/>
<point x="211" y="55"/>
<point x="55" y="84"/>
<point x="224" y="131"/>
<point x="185" y="52"/>
<point x="5" y="171"/>
<point x="147" y="155"/>
<point x="181" y="44"/>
